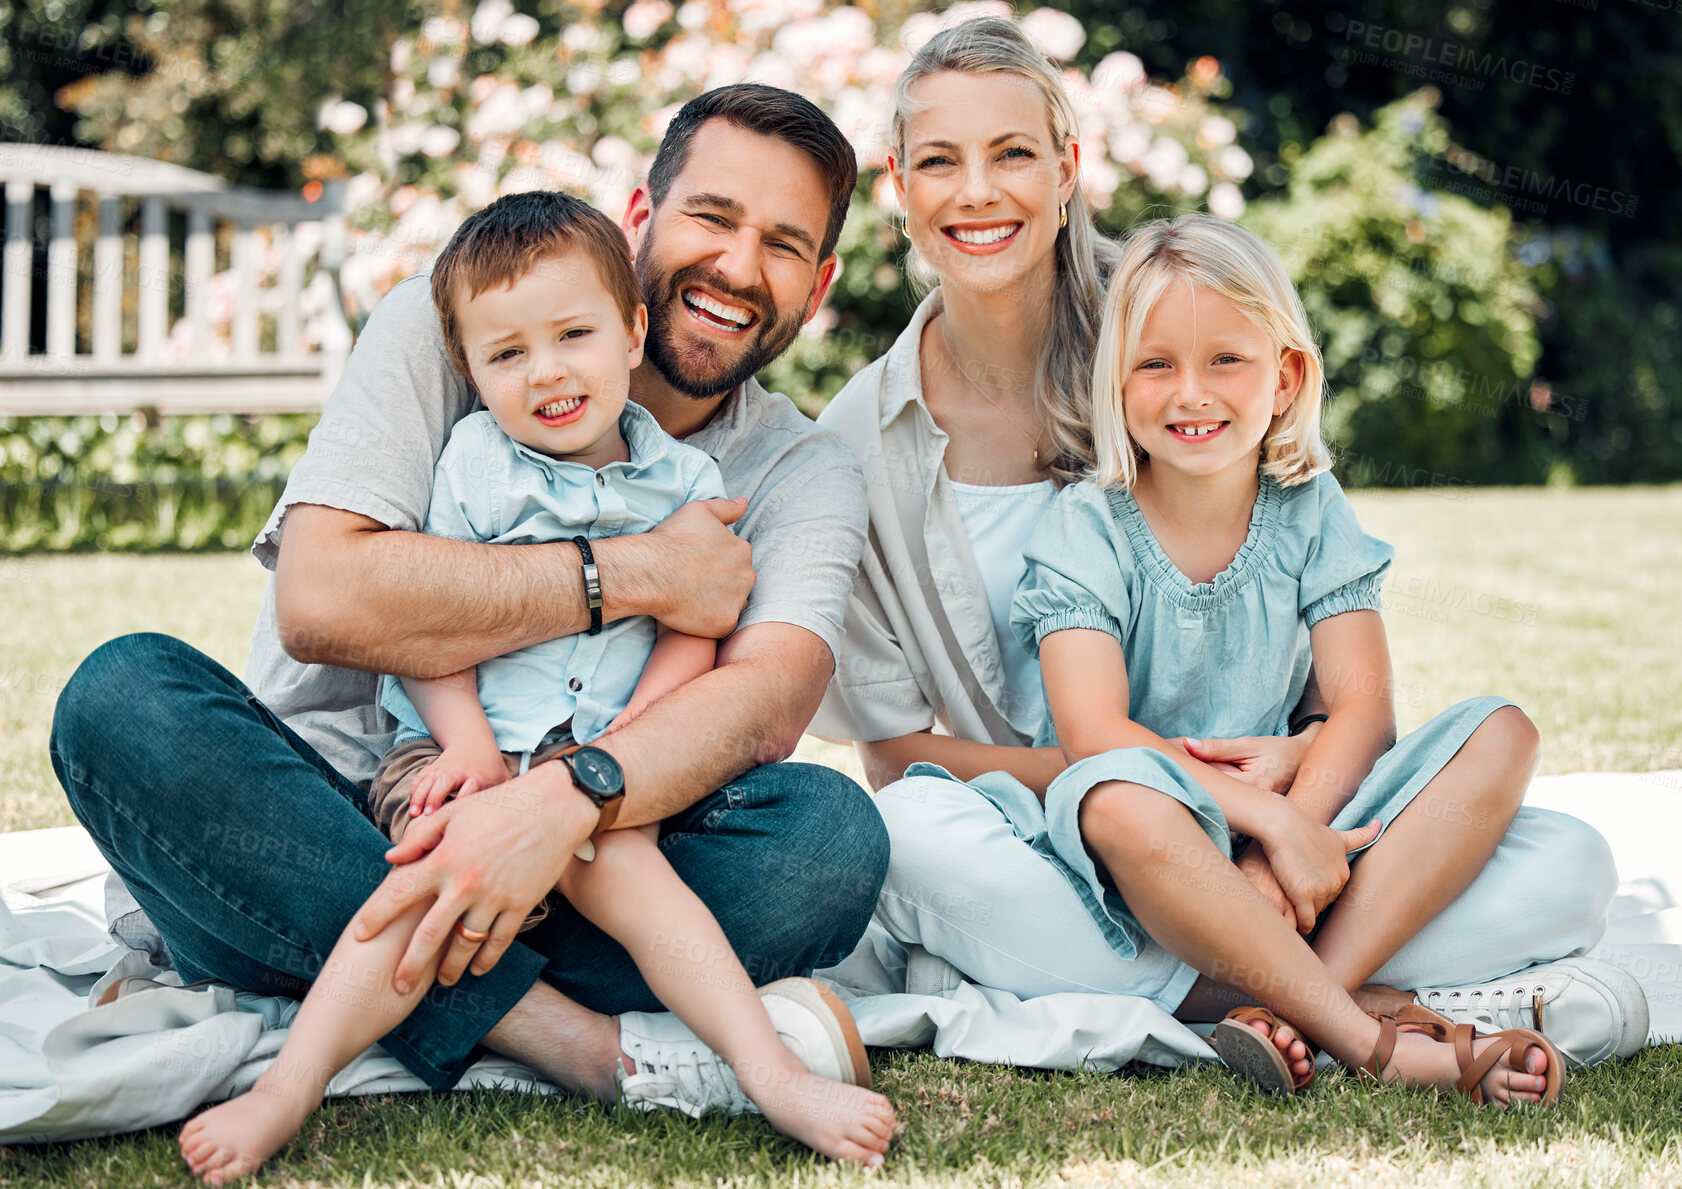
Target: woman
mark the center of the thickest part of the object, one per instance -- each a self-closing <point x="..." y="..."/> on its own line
<point x="966" y="429"/>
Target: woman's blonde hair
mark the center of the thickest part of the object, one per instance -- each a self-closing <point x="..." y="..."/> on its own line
<point x="1225" y="259"/>
<point x="1084" y="257"/>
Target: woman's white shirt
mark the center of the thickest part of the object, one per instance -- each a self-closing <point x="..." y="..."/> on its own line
<point x="999" y="522"/>
<point x="919" y="648"/>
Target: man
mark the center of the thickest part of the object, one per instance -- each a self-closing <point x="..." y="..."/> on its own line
<point x="166" y="757"/>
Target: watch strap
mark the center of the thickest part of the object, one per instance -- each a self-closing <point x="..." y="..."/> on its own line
<point x="1298" y="726"/>
<point x="592" y="584"/>
<point x="609" y="808"/>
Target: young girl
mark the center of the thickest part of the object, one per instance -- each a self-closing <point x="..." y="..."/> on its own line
<point x="541" y="309"/>
<point x="1183" y="592"/>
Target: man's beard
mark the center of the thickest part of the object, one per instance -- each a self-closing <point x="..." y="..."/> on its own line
<point x="700" y="373"/>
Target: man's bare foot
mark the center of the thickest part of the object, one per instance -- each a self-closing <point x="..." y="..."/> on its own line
<point x="1297" y="1056"/>
<point x="833" y="1119"/>
<point x="1421" y="1061"/>
<point x="232" y="1139"/>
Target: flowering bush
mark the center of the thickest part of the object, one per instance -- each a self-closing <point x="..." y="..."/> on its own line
<point x="500" y="101"/>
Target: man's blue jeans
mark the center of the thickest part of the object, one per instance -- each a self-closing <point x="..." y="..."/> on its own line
<point x="251" y="853"/>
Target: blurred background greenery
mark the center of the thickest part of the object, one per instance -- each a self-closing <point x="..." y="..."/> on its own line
<point x="1479" y="201"/>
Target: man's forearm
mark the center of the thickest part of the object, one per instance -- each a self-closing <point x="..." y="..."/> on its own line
<point x="352" y="593"/>
<point x="748" y="711"/>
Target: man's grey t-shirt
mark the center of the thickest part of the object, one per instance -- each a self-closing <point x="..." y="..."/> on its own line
<point x="379" y="439"/>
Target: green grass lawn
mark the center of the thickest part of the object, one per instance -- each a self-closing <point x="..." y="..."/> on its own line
<point x="1561" y="600"/>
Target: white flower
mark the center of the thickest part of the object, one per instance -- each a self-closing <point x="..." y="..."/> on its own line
<point x="402" y="53"/>
<point x="1164" y="162"/>
<point x="1233" y="162"/>
<point x="1055" y="34"/>
<point x="1215" y="131"/>
<point x="500" y="114"/>
<point x="439" y="140"/>
<point x="537" y="100"/>
<point x="488" y="18"/>
<point x="583" y="80"/>
<point x="476" y="186"/>
<point x="406" y="138"/>
<point x="363" y="190"/>
<point x="645" y="17"/>
<point x="402" y="93"/>
<point x="1130" y="143"/>
<point x="1118" y="72"/>
<point x="581" y="37"/>
<point x="693" y="15"/>
<point x="444" y="73"/>
<point x="1225" y="200"/>
<point x="518" y="30"/>
<point x="342" y="117"/>
<point x="1193" y="180"/>
<point x="1099" y="180"/>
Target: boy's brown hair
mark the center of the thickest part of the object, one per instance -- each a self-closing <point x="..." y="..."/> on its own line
<point x="507" y="239"/>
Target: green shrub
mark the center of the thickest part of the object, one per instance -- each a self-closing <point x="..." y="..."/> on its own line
<point x="1425" y="316"/>
<point x="176" y="483"/>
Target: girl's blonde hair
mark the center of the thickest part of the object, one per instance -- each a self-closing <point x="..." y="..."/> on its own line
<point x="1084" y="257"/>
<point x="1225" y="259"/>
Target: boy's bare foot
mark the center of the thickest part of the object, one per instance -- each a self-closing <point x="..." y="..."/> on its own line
<point x="232" y="1139"/>
<point x="1291" y="1047"/>
<point x="832" y="1118"/>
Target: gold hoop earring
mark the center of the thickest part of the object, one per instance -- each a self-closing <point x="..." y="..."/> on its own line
<point x="1062" y="214"/>
<point x="899" y="226"/>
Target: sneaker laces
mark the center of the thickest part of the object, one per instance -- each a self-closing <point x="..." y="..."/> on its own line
<point x="1501" y="1008"/>
<point x="687" y="1077"/>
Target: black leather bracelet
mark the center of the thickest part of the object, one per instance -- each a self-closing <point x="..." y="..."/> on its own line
<point x="592" y="584"/>
<point x="1302" y="724"/>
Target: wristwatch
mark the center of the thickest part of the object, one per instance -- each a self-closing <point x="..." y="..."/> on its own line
<point x="599" y="777"/>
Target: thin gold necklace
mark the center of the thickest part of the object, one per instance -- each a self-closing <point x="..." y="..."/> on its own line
<point x="952" y="361"/>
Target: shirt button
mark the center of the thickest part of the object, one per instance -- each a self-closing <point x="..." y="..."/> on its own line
<point x="575" y="685"/>
<point x="601" y="479"/>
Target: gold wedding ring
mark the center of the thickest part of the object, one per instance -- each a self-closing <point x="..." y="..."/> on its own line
<point x="473" y="935"/>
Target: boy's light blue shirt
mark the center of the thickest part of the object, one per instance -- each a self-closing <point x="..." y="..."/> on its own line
<point x="489" y="488"/>
<point x="1222" y="659"/>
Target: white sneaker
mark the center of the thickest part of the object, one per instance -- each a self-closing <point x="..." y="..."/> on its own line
<point x="676" y="1070"/>
<point x="929" y="974"/>
<point x="1589" y="1009"/>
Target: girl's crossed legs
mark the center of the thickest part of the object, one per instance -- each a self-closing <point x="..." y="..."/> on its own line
<point x="1248" y="952"/>
<point x="631" y="893"/>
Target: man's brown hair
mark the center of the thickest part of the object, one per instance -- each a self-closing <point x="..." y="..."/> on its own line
<point x="773" y="112"/>
<point x="507" y="239"/>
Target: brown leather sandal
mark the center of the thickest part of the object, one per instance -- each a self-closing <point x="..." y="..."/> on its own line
<point x="1252" y="1053"/>
<point x="1473" y="1067"/>
<point x="1420" y="1019"/>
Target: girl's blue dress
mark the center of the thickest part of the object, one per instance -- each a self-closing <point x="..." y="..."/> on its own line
<point x="1219" y="659"/>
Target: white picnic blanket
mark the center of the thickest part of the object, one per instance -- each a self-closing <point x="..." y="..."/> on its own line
<point x="69" y="1071"/>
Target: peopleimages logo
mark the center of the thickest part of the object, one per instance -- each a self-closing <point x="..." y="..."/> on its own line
<point x="1453" y="56"/>
<point x="1528" y="183"/>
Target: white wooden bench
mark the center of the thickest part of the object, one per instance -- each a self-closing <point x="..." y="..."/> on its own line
<point x="134" y="354"/>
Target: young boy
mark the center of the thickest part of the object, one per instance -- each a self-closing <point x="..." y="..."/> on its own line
<point x="540" y="309"/>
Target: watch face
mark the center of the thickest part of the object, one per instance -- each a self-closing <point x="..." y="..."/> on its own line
<point x="598" y="773"/>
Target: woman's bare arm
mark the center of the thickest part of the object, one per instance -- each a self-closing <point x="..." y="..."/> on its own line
<point x="885" y="760"/>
